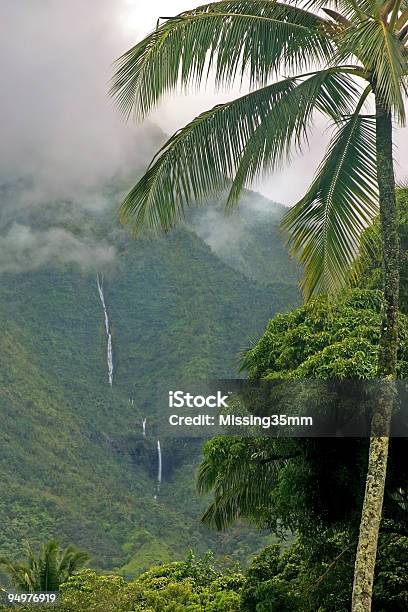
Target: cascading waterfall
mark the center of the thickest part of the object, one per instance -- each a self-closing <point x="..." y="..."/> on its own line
<point x="102" y="298"/>
<point x="99" y="280"/>
<point x="110" y="360"/>
<point x="144" y="427"/>
<point x="159" y="469"/>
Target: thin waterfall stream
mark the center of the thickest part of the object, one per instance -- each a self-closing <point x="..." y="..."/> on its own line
<point x="109" y="356"/>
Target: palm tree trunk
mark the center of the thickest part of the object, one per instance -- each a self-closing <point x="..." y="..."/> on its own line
<point x="387" y="369"/>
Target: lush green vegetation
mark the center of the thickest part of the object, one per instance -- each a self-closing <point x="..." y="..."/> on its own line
<point x="318" y="500"/>
<point x="334" y="62"/>
<point x="56" y="411"/>
<point x="314" y="573"/>
<point x="115" y="515"/>
<point x="74" y="463"/>
<point x="313" y="487"/>
<point x="193" y="585"/>
<point x="46" y="570"/>
<point x="320" y="340"/>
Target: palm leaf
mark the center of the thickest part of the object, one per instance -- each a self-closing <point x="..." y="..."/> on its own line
<point x="383" y="54"/>
<point x="21" y="575"/>
<point x="48" y="566"/>
<point x="71" y="560"/>
<point x="347" y="8"/>
<point x="285" y="129"/>
<point x="234" y="140"/>
<point x="326" y="225"/>
<point x="240" y="479"/>
<point x="44" y="571"/>
<point x="257" y="37"/>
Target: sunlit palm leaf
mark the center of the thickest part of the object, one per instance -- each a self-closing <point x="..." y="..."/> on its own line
<point x="285" y="130"/>
<point x="253" y="36"/>
<point x="233" y="141"/>
<point x="325" y="226"/>
<point x="347" y="8"/>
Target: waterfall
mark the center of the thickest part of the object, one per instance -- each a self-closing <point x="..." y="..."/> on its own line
<point x="144" y="427"/>
<point x="102" y="298"/>
<point x="159" y="469"/>
<point x="110" y="360"/>
<point x="99" y="281"/>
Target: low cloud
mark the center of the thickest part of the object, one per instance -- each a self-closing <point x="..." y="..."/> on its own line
<point x="24" y="249"/>
<point x="60" y="130"/>
<point x="65" y="150"/>
<point x="223" y="231"/>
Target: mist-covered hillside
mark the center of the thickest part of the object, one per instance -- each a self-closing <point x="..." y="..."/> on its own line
<point x="74" y="461"/>
<point x="248" y="238"/>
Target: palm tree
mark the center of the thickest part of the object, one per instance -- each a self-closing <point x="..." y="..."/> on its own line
<point x="44" y="571"/>
<point x="347" y="61"/>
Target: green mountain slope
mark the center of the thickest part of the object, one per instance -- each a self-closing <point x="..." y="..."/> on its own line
<point x="74" y="462"/>
<point x="249" y="240"/>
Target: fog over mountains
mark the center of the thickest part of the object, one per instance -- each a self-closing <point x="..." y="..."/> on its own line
<point x="74" y="459"/>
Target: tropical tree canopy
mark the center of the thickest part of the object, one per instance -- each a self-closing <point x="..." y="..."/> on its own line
<point x="337" y="55"/>
<point x="284" y="482"/>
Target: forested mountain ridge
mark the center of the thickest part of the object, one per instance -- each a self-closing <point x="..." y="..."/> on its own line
<point x="74" y="462"/>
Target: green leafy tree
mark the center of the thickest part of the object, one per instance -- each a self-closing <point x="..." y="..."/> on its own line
<point x="285" y="481"/>
<point x="358" y="50"/>
<point x="45" y="570"/>
<point x="193" y="585"/>
<point x="306" y="485"/>
<point x="315" y="573"/>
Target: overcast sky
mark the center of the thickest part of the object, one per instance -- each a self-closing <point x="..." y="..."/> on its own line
<point x="57" y="122"/>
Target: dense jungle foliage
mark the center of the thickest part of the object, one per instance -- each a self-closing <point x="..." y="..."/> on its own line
<point x="305" y="492"/>
<point x="74" y="463"/>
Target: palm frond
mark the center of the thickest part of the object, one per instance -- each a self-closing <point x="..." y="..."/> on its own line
<point x="48" y="566"/>
<point x="382" y="53"/>
<point x="330" y="92"/>
<point x="71" y="559"/>
<point x="256" y="37"/>
<point x="240" y="480"/>
<point x="233" y="141"/>
<point x="239" y="492"/>
<point x="21" y="575"/>
<point x="44" y="571"/>
<point x="350" y="9"/>
<point x="326" y="225"/>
